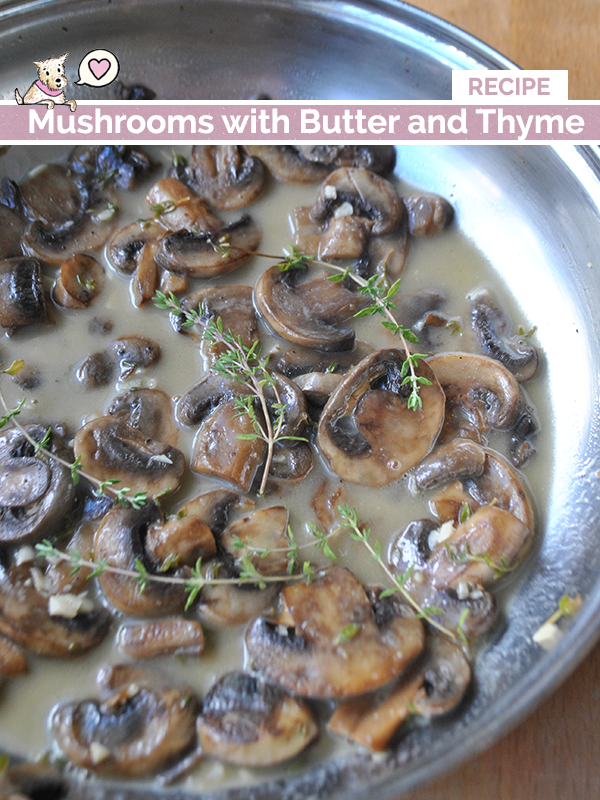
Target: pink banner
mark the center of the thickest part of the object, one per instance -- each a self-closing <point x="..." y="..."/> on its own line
<point x="170" y="121"/>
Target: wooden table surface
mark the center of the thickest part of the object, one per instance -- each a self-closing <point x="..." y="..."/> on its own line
<point x="555" y="754"/>
<point x="535" y="34"/>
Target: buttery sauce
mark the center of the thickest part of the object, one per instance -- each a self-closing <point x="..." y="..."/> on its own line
<point x="447" y="263"/>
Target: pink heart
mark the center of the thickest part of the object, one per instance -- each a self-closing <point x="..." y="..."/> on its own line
<point x="99" y="68"/>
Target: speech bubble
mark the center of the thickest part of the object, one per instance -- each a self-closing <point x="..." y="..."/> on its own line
<point x="98" y="68"/>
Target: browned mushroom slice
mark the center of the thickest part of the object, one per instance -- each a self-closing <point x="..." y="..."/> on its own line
<point x="55" y="246"/>
<point x="490" y="326"/>
<point x="201" y="254"/>
<point x="12" y="659"/>
<point x="334" y="647"/>
<point x="165" y="637"/>
<point x="35" y="493"/>
<point x="225" y="176"/>
<point x="177" y="209"/>
<point x="261" y="539"/>
<point x="474" y="611"/>
<point x="61" y="625"/>
<point x="435" y="685"/>
<point x="134" y="352"/>
<point x="142" y="725"/>
<point x="317" y="387"/>
<point x="326" y="502"/>
<point x="291" y="462"/>
<point x="428" y="214"/>
<point x="368" y="196"/>
<point x="233" y="305"/>
<point x="150" y="411"/>
<point x="367" y="433"/>
<point x="219" y="452"/>
<point x="79" y="282"/>
<point x="125" y="247"/>
<point x="53" y="197"/>
<point x="182" y="540"/>
<point x="252" y="722"/>
<point x="307" y="313"/>
<point x="298" y="360"/>
<point x="120" y="541"/>
<point x="480" y="394"/>
<point x="285" y="163"/>
<point x="113" y="450"/>
<point x="206" y="396"/>
<point x="377" y="158"/>
<point x="22" y="300"/>
<point x="12" y="227"/>
<point x="459" y="458"/>
<point x="146" y="276"/>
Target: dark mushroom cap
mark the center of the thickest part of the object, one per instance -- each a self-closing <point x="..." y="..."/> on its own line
<point x="377" y="158"/>
<point x="249" y="721"/>
<point x="35" y="493"/>
<point x="286" y="164"/>
<point x="224" y="175"/>
<point x="22" y="299"/>
<point x="428" y="214"/>
<point x="150" y="411"/>
<point x="142" y="725"/>
<point x="490" y="327"/>
<point x="329" y="643"/>
<point x="367" y="434"/>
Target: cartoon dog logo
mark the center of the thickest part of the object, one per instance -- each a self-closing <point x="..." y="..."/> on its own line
<point x="49" y="89"/>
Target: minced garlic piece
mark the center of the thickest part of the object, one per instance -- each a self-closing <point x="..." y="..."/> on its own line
<point x="440" y="534"/>
<point x="345" y="210"/>
<point x="99" y="752"/>
<point x="69" y="605"/>
<point x="548" y="635"/>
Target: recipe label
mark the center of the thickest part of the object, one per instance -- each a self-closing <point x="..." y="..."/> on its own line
<point x="494" y="86"/>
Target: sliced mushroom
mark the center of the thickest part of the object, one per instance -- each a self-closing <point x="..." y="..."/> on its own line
<point x="37" y="620"/>
<point x="22" y="300"/>
<point x="220" y="452"/>
<point x="261" y="538"/>
<point x="377" y="158"/>
<point x="326" y="501"/>
<point x="120" y="542"/>
<point x="371" y="198"/>
<point x="53" y="197"/>
<point x="285" y="163"/>
<point x="145" y="279"/>
<point x="329" y="643"/>
<point x="96" y="370"/>
<point x="166" y="637"/>
<point x="224" y="175"/>
<point x="207" y="254"/>
<point x="35" y="493"/>
<point x="299" y="360"/>
<point x="55" y="246"/>
<point x="12" y="226"/>
<point x="125" y="248"/>
<point x="307" y="313"/>
<point x="113" y="450"/>
<point x="150" y="411"/>
<point x="252" y="722"/>
<point x="474" y="612"/>
<point x="79" y="282"/>
<point x="213" y="390"/>
<point x="480" y="394"/>
<point x="367" y="434"/>
<point x="177" y="209"/>
<point x="291" y="462"/>
<point x="119" y="164"/>
<point x="141" y="725"/>
<point x="233" y="305"/>
<point x="435" y="685"/>
<point x="490" y="326"/>
<point x="318" y="387"/>
<point x="459" y="458"/>
<point x="428" y="214"/>
<point x="184" y="539"/>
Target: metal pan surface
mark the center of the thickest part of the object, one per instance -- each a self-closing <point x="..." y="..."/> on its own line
<point x="534" y="211"/>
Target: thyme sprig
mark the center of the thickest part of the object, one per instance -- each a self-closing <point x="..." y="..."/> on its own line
<point x="245" y="365"/>
<point x="464" y="555"/>
<point x="122" y="495"/>
<point x="349" y="521"/>
<point x="200" y="574"/>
